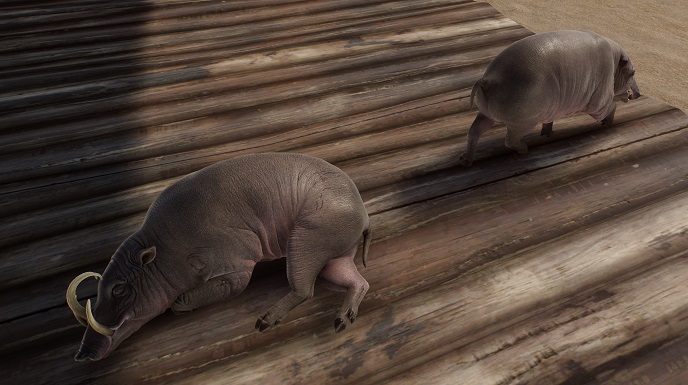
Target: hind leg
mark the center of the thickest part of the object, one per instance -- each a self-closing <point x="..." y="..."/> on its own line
<point x="479" y="126"/>
<point x="311" y="245"/>
<point x="514" y="136"/>
<point x="341" y="273"/>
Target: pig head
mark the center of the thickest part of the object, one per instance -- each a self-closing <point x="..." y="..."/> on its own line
<point x="131" y="291"/>
<point x="625" y="86"/>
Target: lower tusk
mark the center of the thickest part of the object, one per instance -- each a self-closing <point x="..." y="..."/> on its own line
<point x="104" y="330"/>
<point x="72" y="302"/>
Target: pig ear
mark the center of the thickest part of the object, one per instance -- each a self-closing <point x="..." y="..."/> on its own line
<point x="146" y="256"/>
<point x="623" y="61"/>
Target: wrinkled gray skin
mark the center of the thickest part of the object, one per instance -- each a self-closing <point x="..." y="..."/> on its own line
<point x="204" y="234"/>
<point x="547" y="76"/>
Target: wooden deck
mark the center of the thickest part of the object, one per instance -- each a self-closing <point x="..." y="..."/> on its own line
<point x="564" y="266"/>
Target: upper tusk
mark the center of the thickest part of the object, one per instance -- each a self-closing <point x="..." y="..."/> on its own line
<point x="104" y="330"/>
<point x="72" y="302"/>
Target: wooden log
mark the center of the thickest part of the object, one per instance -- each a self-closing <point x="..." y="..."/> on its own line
<point x="667" y="365"/>
<point x="55" y="18"/>
<point x="148" y="51"/>
<point x="40" y="224"/>
<point x="578" y="199"/>
<point x="218" y="101"/>
<point x="214" y="76"/>
<point x="151" y="61"/>
<point x="85" y="150"/>
<point x="65" y="251"/>
<point x="203" y="23"/>
<point x="492" y="152"/>
<point x="71" y="131"/>
<point x="574" y="343"/>
<point x="35" y="224"/>
<point x="426" y="158"/>
<point x="92" y="182"/>
<point x="364" y="174"/>
<point x="39" y="298"/>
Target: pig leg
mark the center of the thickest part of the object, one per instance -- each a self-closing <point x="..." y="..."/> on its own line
<point x="341" y="274"/>
<point x="603" y="111"/>
<point x="546" y="129"/>
<point x="479" y="126"/>
<point x="514" y="135"/>
<point x="609" y="119"/>
<point x="214" y="290"/>
<point x="301" y="273"/>
<point x="307" y="255"/>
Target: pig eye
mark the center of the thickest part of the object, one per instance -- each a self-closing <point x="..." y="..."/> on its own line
<point x="118" y="290"/>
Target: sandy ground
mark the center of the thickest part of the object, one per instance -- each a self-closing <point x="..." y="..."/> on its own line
<point x="654" y="33"/>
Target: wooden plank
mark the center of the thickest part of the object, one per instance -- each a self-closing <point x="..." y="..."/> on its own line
<point x="75" y="186"/>
<point x="579" y="198"/>
<point x="254" y="97"/>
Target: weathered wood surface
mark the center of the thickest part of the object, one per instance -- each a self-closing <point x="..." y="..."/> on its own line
<point x="562" y="266"/>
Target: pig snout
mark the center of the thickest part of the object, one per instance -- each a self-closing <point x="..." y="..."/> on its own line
<point x="633" y="94"/>
<point x="94" y="346"/>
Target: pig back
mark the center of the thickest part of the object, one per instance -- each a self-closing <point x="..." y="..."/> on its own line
<point x="263" y="194"/>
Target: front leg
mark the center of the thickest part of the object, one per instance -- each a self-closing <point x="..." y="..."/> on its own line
<point x="310" y="248"/>
<point x="605" y="113"/>
<point x="214" y="290"/>
<point x="609" y="119"/>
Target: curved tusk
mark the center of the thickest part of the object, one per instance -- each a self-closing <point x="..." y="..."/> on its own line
<point x="104" y="330"/>
<point x="72" y="302"/>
